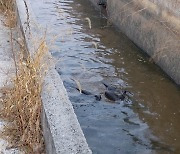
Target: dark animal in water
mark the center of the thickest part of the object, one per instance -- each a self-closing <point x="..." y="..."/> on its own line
<point x="85" y="92"/>
<point x="108" y="87"/>
<point x="111" y="95"/>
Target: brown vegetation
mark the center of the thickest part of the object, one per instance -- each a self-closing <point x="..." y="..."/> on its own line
<point x="21" y="100"/>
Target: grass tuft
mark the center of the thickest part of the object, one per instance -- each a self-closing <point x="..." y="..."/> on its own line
<point x="22" y="103"/>
<point x="7" y="9"/>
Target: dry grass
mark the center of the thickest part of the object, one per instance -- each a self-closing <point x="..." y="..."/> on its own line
<point x="21" y="101"/>
<point x="7" y="9"/>
<point x="6" y="5"/>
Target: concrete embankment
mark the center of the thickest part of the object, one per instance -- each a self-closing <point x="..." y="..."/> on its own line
<point x="61" y="129"/>
<point x="153" y="25"/>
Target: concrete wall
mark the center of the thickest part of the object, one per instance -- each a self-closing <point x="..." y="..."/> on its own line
<point x="172" y="6"/>
<point x="61" y="129"/>
<point x="153" y="25"/>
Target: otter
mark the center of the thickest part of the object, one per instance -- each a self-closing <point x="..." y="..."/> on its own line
<point x="115" y="97"/>
<point x="108" y="87"/>
<point x="112" y="93"/>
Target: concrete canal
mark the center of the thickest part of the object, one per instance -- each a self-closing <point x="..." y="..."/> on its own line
<point x="147" y="120"/>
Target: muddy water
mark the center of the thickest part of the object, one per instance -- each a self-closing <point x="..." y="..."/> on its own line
<point x="147" y="121"/>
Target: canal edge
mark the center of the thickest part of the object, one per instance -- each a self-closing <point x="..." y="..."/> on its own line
<point x="61" y="129"/>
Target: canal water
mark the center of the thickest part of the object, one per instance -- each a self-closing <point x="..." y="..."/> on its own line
<point x="90" y="52"/>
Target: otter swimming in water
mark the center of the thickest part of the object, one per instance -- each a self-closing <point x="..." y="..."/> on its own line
<point x="113" y="96"/>
<point x="112" y="93"/>
<point x="108" y="87"/>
